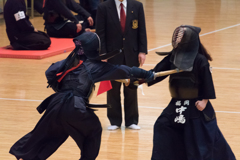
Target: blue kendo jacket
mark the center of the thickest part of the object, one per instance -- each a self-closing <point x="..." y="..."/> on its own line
<point x="79" y="83"/>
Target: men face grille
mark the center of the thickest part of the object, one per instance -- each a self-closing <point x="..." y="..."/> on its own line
<point x="177" y="36"/>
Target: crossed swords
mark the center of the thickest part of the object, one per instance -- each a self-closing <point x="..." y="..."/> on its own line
<point x="157" y="74"/>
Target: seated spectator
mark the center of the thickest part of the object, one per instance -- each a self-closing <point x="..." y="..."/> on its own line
<point x="21" y="33"/>
<point x="60" y="21"/>
<point x="91" y="7"/>
<point x="38" y="5"/>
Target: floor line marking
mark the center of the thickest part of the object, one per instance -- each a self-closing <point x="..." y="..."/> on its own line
<point x="237" y="69"/>
<point x="164" y="108"/>
<point x="12" y="99"/>
<point x="30" y="100"/>
<point x="199" y="35"/>
<point x="226" y="68"/>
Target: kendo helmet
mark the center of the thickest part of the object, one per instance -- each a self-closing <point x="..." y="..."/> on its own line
<point x="91" y="46"/>
<point x="185" y="42"/>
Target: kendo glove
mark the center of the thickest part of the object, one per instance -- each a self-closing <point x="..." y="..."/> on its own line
<point x="147" y="76"/>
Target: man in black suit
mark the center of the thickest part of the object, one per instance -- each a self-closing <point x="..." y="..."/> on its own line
<point x="120" y="24"/>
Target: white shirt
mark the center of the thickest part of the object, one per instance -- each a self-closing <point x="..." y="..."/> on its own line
<point x="124" y="2"/>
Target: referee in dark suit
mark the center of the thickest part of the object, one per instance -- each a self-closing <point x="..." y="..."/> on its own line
<point x="120" y="24"/>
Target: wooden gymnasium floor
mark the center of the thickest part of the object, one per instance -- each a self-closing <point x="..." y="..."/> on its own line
<point x="23" y="84"/>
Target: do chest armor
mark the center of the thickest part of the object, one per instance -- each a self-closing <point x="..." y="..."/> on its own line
<point x="79" y="82"/>
<point x="183" y="85"/>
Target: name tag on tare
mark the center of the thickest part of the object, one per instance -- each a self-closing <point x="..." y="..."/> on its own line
<point x="19" y="15"/>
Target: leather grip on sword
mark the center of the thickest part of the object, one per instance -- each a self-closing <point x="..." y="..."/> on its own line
<point x="125" y="81"/>
<point x="165" y="73"/>
<point x="159" y="74"/>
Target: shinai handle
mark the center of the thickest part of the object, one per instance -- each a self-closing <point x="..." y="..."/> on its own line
<point x="125" y="81"/>
<point x="165" y="73"/>
<point x="157" y="74"/>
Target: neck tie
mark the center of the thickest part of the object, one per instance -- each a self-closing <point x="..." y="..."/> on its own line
<point x="43" y="4"/>
<point x="122" y="17"/>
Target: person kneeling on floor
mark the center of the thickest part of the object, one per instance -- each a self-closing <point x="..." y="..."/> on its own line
<point x="20" y="31"/>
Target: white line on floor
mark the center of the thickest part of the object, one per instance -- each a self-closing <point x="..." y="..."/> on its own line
<point x="200" y="36"/>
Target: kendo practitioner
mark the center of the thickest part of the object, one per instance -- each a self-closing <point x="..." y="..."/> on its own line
<point x="187" y="128"/>
<point x="60" y="21"/>
<point x="68" y="112"/>
<point x="20" y="31"/>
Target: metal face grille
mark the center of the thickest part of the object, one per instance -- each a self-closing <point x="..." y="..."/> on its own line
<point x="177" y="36"/>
